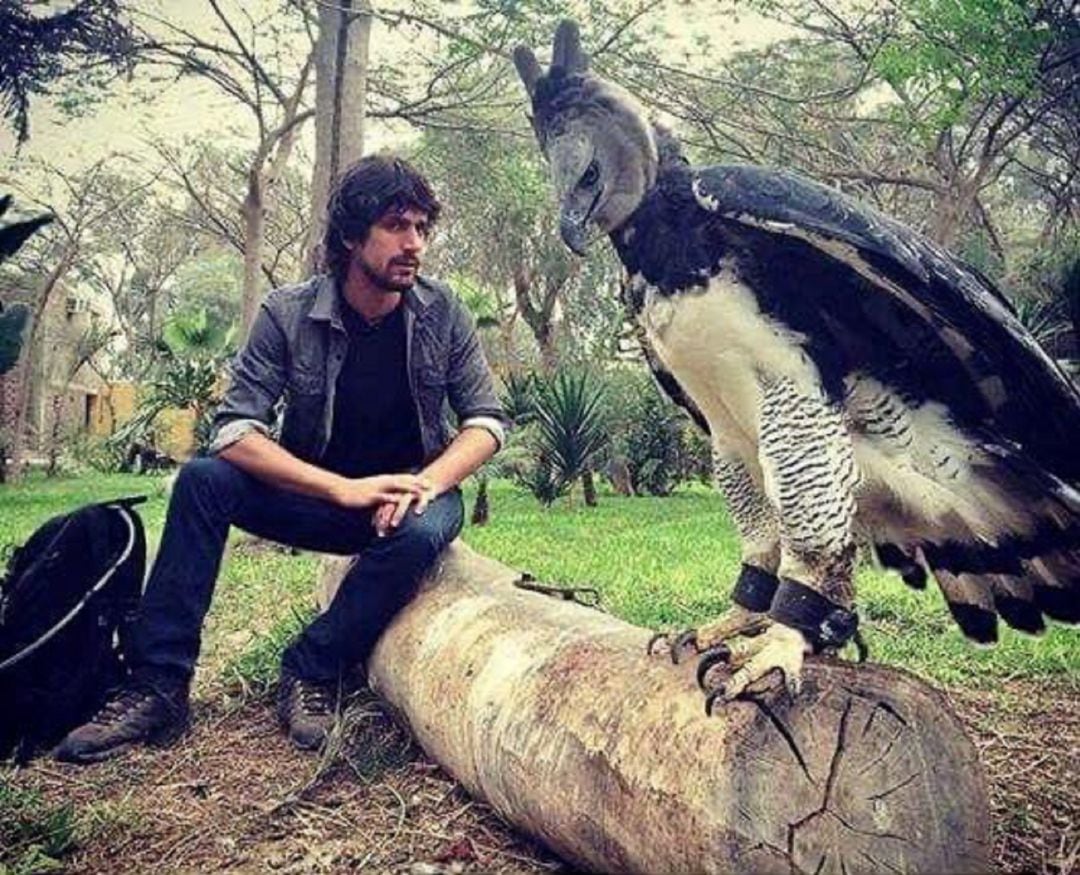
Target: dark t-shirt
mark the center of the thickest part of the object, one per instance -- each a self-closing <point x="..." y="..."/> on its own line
<point x="376" y="430"/>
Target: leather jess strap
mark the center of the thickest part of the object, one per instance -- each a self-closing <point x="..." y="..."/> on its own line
<point x="755" y="588"/>
<point x="824" y="623"/>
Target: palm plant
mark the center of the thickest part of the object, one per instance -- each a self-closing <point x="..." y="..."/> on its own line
<point x="541" y="478"/>
<point x="571" y="430"/>
<point x="195" y="348"/>
<point x="518" y="399"/>
<point x="1047" y="320"/>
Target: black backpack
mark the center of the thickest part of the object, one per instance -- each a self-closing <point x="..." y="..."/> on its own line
<point x="67" y="602"/>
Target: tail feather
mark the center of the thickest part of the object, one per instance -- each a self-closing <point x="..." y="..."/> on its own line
<point x="1014" y="599"/>
<point x="998" y="531"/>
<point x="1018" y="579"/>
<point x="971" y="604"/>
<point x="905" y="564"/>
<point x="1057" y="584"/>
<point x="977" y="592"/>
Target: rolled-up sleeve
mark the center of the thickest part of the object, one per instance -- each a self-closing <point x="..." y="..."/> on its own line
<point x="470" y="388"/>
<point x="258" y="380"/>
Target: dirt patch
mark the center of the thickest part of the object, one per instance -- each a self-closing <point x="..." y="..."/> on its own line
<point x="235" y="796"/>
<point x="1028" y="736"/>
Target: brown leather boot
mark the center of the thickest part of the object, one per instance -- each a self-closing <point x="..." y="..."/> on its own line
<point x="307" y="709"/>
<point x="137" y="713"/>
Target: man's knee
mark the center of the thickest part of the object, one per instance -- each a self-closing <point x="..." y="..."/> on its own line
<point x="205" y="474"/>
<point x="429" y="532"/>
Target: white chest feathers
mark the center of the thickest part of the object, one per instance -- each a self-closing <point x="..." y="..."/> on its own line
<point x="718" y="344"/>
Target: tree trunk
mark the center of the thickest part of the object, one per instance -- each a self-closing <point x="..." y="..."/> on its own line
<point x="554" y="714"/>
<point x="53" y="446"/>
<point x="341" y="64"/>
<point x="267" y="167"/>
<point x="32" y="377"/>
<point x="549" y="355"/>
<point x="588" y="487"/>
<point x="481" y="511"/>
<point x="506" y="341"/>
<point x="254" y="212"/>
<point x="951" y="211"/>
<point x="540" y="319"/>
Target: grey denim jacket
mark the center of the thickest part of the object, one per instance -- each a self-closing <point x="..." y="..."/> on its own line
<point x="296" y="350"/>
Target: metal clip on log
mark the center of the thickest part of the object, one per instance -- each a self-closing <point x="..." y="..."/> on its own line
<point x="582" y="595"/>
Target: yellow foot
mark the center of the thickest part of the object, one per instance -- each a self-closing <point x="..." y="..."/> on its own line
<point x="753" y="664"/>
<point x="733" y="623"/>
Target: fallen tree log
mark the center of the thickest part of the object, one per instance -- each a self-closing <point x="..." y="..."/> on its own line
<point x="554" y="714"/>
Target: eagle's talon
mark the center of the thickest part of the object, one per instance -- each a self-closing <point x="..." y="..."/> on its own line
<point x="711" y="698"/>
<point x="710" y="658"/>
<point x="656" y="636"/>
<point x="793" y="685"/>
<point x="689" y="637"/>
<point x="757" y="660"/>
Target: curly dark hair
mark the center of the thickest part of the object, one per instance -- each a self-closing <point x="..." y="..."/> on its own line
<point x="365" y="192"/>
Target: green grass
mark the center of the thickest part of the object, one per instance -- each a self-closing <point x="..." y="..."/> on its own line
<point x="658" y="562"/>
<point x="671" y="562"/>
<point x="25" y="506"/>
<point x="34" y="836"/>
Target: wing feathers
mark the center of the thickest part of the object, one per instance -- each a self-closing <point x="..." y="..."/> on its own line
<point x="911" y="292"/>
<point x="1027" y="567"/>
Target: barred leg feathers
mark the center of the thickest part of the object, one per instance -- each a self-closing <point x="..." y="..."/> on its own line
<point x="759" y="536"/>
<point x="754" y="518"/>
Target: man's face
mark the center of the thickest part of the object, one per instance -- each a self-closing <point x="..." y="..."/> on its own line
<point x="390" y="256"/>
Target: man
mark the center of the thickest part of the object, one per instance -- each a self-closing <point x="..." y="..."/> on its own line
<point x="365" y="357"/>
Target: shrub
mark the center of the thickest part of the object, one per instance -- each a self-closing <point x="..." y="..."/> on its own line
<point x="565" y="437"/>
<point x="651" y="436"/>
<point x="85" y="452"/>
<point x="570" y="422"/>
<point x="519" y="398"/>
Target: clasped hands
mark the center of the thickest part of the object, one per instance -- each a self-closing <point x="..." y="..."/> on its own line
<point x="391" y="495"/>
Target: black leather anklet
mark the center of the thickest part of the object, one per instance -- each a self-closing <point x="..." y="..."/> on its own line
<point x="821" y="620"/>
<point x="755" y="588"/>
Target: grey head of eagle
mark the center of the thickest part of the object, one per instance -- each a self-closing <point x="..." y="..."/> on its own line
<point x="600" y="148"/>
<point x="857" y="381"/>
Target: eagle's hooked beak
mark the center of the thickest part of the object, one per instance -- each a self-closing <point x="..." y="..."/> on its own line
<point x="572" y="229"/>
<point x="577" y="211"/>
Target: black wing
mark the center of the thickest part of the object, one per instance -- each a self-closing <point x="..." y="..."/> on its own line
<point x="913" y="304"/>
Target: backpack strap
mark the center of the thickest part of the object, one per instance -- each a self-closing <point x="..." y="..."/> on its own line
<point x="124" y="508"/>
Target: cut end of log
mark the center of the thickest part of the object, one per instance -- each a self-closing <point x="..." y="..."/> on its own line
<point x="866" y="771"/>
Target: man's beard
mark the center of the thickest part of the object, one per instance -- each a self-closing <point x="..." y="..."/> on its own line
<point x="383" y="281"/>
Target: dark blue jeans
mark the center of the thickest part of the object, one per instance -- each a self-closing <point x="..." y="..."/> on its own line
<point x="210" y="495"/>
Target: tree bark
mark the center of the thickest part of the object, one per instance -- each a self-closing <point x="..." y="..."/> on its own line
<point x="540" y="318"/>
<point x="254" y="213"/>
<point x="588" y="487"/>
<point x="554" y="714"/>
<point x="32" y="378"/>
<point x="341" y="65"/>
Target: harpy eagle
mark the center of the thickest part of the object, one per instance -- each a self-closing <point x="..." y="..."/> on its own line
<point x="857" y="381"/>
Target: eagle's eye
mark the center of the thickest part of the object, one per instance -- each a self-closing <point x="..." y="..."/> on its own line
<point x="589" y="177"/>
